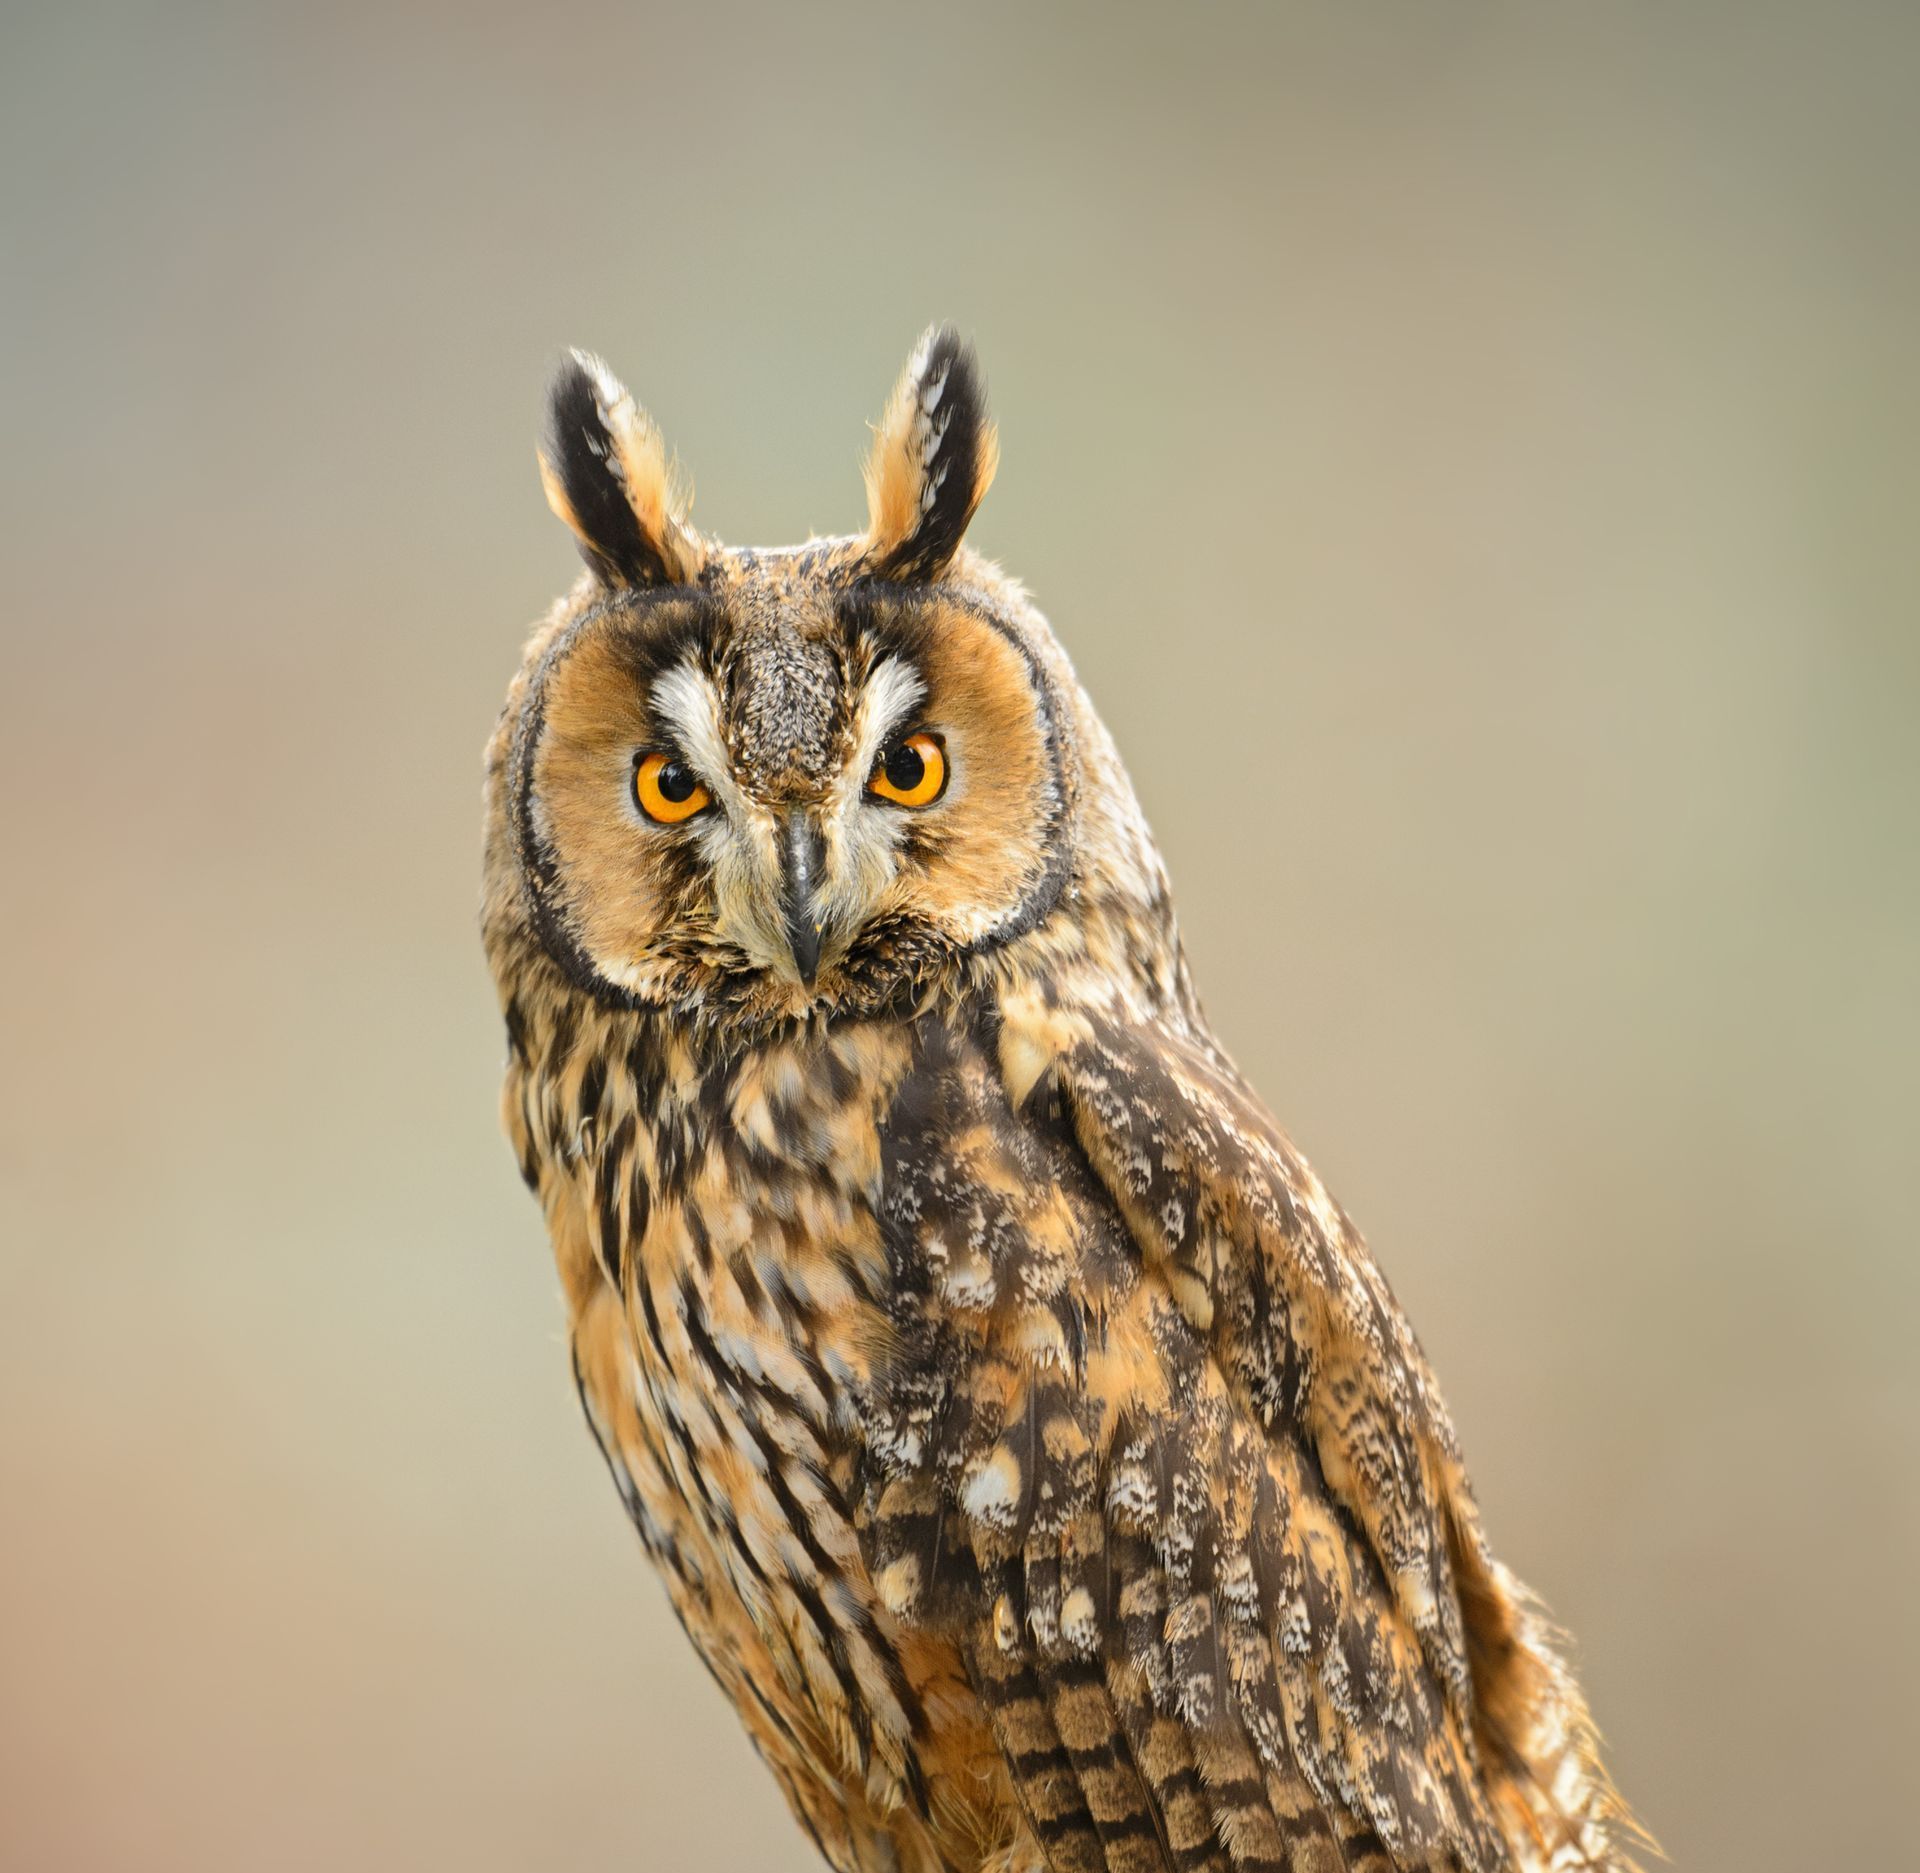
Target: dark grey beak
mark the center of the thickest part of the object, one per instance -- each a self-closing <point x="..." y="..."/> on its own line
<point x="802" y="853"/>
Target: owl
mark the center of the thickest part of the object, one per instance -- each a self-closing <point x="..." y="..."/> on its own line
<point x="1028" y="1443"/>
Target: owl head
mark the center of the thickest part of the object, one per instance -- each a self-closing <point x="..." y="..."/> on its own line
<point x="756" y="784"/>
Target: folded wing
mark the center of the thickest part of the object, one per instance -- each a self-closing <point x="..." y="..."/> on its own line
<point x="1157" y="1446"/>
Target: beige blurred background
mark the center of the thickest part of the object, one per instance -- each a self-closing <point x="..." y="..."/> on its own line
<point x="1469" y="452"/>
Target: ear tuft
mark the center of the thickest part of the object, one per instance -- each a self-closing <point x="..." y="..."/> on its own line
<point x="932" y="460"/>
<point x="605" y="470"/>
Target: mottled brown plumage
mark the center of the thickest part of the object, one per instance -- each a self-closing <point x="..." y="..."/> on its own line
<point x="1028" y="1442"/>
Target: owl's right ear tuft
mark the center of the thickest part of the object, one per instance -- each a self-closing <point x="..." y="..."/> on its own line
<point x="605" y="470"/>
<point x="932" y="459"/>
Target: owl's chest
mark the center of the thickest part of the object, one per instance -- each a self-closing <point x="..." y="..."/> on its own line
<point x="740" y="1223"/>
<point x="722" y="1248"/>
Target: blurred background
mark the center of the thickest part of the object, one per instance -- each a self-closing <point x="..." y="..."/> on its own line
<point x="1469" y="453"/>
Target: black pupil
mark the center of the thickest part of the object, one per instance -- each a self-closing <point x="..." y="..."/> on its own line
<point x="906" y="767"/>
<point x="676" y="782"/>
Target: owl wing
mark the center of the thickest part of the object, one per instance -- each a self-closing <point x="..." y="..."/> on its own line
<point x="1165" y="1457"/>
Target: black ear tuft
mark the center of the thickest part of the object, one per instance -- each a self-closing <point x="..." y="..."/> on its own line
<point x="932" y="460"/>
<point x="606" y="476"/>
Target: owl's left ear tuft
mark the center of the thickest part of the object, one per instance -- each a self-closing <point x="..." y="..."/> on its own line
<point x="605" y="470"/>
<point x="932" y="461"/>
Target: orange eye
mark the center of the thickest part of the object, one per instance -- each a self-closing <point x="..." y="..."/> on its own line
<point x="668" y="790"/>
<point x="912" y="772"/>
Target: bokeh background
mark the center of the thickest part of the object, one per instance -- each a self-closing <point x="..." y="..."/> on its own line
<point x="1469" y="452"/>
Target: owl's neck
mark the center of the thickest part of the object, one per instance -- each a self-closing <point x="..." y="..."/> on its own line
<point x="1117" y="948"/>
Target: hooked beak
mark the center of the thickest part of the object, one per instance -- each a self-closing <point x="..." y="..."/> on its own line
<point x="802" y="853"/>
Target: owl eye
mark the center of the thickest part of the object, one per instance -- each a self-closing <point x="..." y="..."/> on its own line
<point x="911" y="771"/>
<point x="667" y="790"/>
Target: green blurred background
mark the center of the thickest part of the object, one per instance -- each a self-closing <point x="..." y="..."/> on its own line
<point x="1469" y="452"/>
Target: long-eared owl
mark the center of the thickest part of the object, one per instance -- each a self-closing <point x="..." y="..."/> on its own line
<point x="1030" y="1447"/>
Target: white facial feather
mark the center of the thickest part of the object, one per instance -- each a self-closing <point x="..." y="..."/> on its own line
<point x="892" y="694"/>
<point x="738" y="842"/>
<point x="861" y="863"/>
<point x="687" y="702"/>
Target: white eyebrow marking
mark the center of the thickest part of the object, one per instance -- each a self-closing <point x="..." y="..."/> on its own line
<point x="687" y="702"/>
<point x="893" y="692"/>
